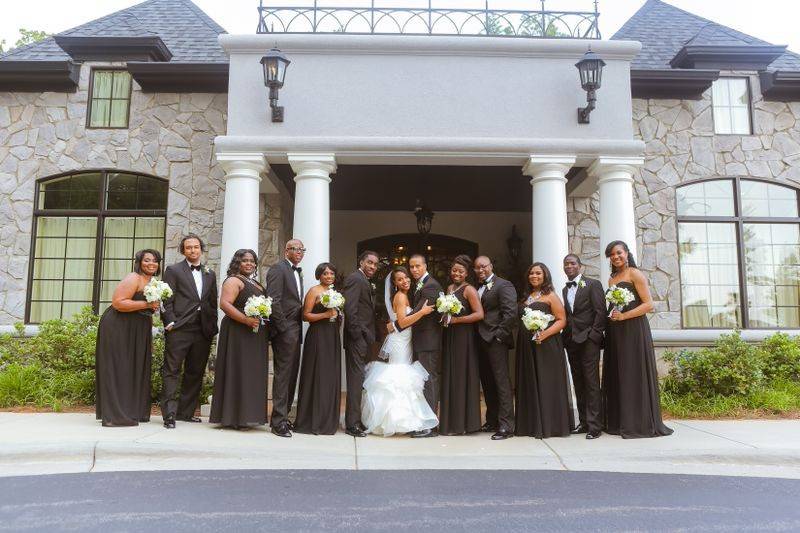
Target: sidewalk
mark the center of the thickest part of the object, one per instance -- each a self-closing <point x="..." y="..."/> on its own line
<point x="48" y="443"/>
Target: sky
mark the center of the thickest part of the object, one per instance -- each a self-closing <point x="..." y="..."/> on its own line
<point x="774" y="21"/>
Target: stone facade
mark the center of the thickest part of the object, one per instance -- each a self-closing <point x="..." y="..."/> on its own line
<point x="169" y="135"/>
<point x="681" y="146"/>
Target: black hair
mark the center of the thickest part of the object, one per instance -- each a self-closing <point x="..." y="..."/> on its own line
<point x="612" y="245"/>
<point x="573" y="256"/>
<point x="192" y="236"/>
<point x="139" y="257"/>
<point x="234" y="267"/>
<point x="424" y="261"/>
<point x="466" y="262"/>
<point x="321" y="269"/>
<point x="547" y="281"/>
<point x="366" y="253"/>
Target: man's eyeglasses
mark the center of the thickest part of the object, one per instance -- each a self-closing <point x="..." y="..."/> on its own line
<point x="295" y="249"/>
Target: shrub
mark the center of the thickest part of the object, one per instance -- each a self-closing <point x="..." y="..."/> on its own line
<point x="780" y="356"/>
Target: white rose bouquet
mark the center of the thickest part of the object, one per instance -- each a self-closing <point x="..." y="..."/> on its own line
<point x="258" y="306"/>
<point x="448" y="305"/>
<point x="618" y="297"/>
<point x="157" y="291"/>
<point x="332" y="299"/>
<point x="535" y="321"/>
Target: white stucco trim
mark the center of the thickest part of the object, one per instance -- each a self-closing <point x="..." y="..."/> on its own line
<point x="315" y="43"/>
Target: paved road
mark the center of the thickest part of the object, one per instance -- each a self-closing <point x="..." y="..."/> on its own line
<point x="249" y="500"/>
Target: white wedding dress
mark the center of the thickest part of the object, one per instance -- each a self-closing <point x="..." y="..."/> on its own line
<point x="393" y="399"/>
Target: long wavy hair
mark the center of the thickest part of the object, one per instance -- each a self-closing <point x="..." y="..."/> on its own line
<point x="235" y="265"/>
<point x="611" y="246"/>
<point x="395" y="270"/>
<point x="547" y="281"/>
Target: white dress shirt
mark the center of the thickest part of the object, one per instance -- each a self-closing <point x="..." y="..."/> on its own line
<point x="198" y="278"/>
<point x="571" y="291"/>
<point x="482" y="288"/>
<point x="296" y="280"/>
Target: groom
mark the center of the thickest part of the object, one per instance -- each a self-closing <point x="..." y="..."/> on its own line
<point x="427" y="337"/>
<point x="359" y="335"/>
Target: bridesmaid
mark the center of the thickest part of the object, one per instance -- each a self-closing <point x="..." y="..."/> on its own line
<point x="630" y="391"/>
<point x="124" y="351"/>
<point x="460" y="410"/>
<point x="542" y="395"/>
<point x="321" y="369"/>
<point x="239" y="400"/>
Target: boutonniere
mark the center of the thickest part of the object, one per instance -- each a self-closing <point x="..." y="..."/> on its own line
<point x="373" y="286"/>
<point x="420" y="284"/>
<point x="489" y="285"/>
<point x="581" y="284"/>
<point x="206" y="270"/>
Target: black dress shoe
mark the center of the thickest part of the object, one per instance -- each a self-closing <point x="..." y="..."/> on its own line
<point x="195" y="419"/>
<point x="425" y="433"/>
<point x="282" y="430"/>
<point x="290" y="425"/>
<point x="488" y="428"/>
<point x="580" y="429"/>
<point x="169" y="423"/>
<point x="362" y="427"/>
<point x="355" y="432"/>
<point x="502" y="434"/>
<point x="591" y="435"/>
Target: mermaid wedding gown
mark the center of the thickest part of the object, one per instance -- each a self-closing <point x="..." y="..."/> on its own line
<point x="393" y="401"/>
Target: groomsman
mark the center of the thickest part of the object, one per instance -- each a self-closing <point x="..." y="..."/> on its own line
<point x="190" y="319"/>
<point x="427" y="337"/>
<point x="285" y="287"/>
<point x="499" y="300"/>
<point x="359" y="335"/>
<point x="584" y="301"/>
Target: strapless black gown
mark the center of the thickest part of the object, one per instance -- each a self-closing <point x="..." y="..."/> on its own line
<point x="630" y="392"/>
<point x="123" y="358"/>
<point x="320" y="392"/>
<point x="240" y="372"/>
<point x="460" y="408"/>
<point x="542" y="392"/>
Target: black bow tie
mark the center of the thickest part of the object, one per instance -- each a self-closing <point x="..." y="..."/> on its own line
<point x="485" y="282"/>
<point x="572" y="284"/>
<point x="297" y="269"/>
<point x="196" y="267"/>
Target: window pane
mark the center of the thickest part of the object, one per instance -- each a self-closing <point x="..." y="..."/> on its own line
<point x="740" y="120"/>
<point x="119" y="227"/>
<point x="78" y="290"/>
<point x="48" y="268"/>
<point x="737" y="88"/>
<point x="709" y="275"/>
<point x="100" y="113"/>
<point x="760" y="199"/>
<point x="708" y="198"/>
<point x="150" y="227"/>
<point x="722" y="121"/>
<point x="720" y="95"/>
<point x="51" y="226"/>
<point x="731" y="106"/>
<point x="772" y="252"/>
<point x="80" y="248"/>
<point x="79" y="268"/>
<point x="118" y="248"/>
<point x="116" y="269"/>
<point x="102" y="84"/>
<point x="119" y="114"/>
<point x="82" y="227"/>
<point x="41" y="311"/>
<point x="122" y="84"/>
<point x="72" y="308"/>
<point x="46" y="290"/>
<point x="79" y="191"/>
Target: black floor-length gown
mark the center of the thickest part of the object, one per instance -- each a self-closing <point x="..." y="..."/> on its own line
<point x="123" y="357"/>
<point x="460" y="407"/>
<point x="240" y="372"/>
<point x="630" y="391"/>
<point x="319" y="393"/>
<point x="542" y="392"/>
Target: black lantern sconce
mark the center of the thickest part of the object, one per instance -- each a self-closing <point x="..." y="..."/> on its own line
<point x="274" y="64"/>
<point x="424" y="217"/>
<point x="590" y="68"/>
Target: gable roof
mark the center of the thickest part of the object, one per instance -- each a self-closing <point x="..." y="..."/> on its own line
<point x="664" y="30"/>
<point x="188" y="33"/>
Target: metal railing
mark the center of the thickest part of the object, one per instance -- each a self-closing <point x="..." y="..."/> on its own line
<point x="432" y="20"/>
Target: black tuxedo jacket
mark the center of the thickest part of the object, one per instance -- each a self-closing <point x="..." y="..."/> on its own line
<point x="499" y="312"/>
<point x="287" y="305"/>
<point x="359" y="311"/>
<point x="588" y="319"/>
<point x="427" y="336"/>
<point x="181" y="308"/>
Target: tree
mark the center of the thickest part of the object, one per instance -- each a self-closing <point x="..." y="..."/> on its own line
<point x="30" y="36"/>
<point x="2" y="46"/>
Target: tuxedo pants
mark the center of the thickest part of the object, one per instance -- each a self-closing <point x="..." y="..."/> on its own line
<point x="185" y="347"/>
<point x="355" y="359"/>
<point x="496" y="383"/>
<point x="584" y="363"/>
<point x="285" y="367"/>
<point x="431" y="362"/>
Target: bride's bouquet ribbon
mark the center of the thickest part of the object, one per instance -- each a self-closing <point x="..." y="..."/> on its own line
<point x="258" y="306"/>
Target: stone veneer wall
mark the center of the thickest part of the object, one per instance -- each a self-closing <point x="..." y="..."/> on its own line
<point x="681" y="146"/>
<point x="169" y="135"/>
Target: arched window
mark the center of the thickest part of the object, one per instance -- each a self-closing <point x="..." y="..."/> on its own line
<point x="87" y="226"/>
<point x="739" y="247"/>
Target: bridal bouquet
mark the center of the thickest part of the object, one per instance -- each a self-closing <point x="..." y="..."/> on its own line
<point x="618" y="297"/>
<point x="157" y="291"/>
<point x="258" y="306"/>
<point x="332" y="299"/>
<point x="448" y="305"/>
<point x="535" y="321"/>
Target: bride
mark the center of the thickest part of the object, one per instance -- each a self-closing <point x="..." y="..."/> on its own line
<point x="393" y="401"/>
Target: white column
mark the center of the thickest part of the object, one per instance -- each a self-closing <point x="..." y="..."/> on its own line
<point x="550" y="235"/>
<point x="240" y="219"/>
<point x="617" y="216"/>
<point x="312" y="208"/>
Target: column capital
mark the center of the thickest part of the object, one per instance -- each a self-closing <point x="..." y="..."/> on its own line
<point x="548" y="167"/>
<point x="312" y="165"/>
<point x="243" y="164"/>
<point x="614" y="168"/>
